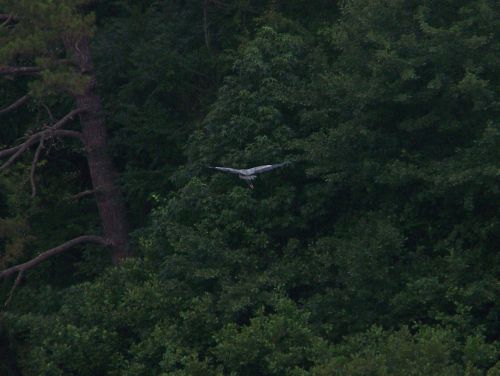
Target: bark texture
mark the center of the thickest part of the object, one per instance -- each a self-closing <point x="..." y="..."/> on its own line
<point x="112" y="210"/>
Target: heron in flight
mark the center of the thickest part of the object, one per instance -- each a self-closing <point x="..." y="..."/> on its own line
<point x="250" y="174"/>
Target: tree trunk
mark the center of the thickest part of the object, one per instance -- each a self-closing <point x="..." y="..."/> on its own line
<point x="112" y="210"/>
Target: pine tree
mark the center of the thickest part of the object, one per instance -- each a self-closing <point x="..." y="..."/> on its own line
<point x="45" y="45"/>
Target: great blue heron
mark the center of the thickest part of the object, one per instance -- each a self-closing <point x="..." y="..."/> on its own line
<point x="250" y="174"/>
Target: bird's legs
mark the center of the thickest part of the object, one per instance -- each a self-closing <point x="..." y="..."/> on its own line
<point x="248" y="179"/>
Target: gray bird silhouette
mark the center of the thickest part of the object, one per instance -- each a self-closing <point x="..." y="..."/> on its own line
<point x="250" y="174"/>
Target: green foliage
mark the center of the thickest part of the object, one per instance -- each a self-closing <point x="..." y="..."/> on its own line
<point x="37" y="36"/>
<point x="280" y="343"/>
<point x="429" y="351"/>
<point x="406" y="144"/>
<point x="14" y="230"/>
<point x="45" y="27"/>
<point x="374" y="253"/>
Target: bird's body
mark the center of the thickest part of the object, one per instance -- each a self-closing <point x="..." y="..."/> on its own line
<point x="250" y="174"/>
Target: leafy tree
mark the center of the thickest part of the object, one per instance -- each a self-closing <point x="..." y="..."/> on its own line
<point x="429" y="351"/>
<point x="415" y="127"/>
<point x="54" y="40"/>
<point x="374" y="253"/>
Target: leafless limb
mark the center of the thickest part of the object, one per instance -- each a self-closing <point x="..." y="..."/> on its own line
<point x="65" y="133"/>
<point x="19" y="70"/>
<point x="52" y="131"/>
<point x="22" y="148"/>
<point x="83" y="194"/>
<point x="13" y="150"/>
<point x="226" y="5"/>
<point x="14" y="286"/>
<point x="220" y="3"/>
<point x="17" y="151"/>
<point x="48" y="111"/>
<point x="68" y="117"/>
<point x="205" y="23"/>
<point x="6" y="18"/>
<point x="34" y="138"/>
<point x="34" y="163"/>
<point x="13" y="106"/>
<point x="54" y="251"/>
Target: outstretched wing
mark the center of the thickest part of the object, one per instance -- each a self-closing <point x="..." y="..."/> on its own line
<point x="264" y="168"/>
<point x="228" y="169"/>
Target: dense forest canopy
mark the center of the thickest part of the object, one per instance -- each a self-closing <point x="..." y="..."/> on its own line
<point x="375" y="251"/>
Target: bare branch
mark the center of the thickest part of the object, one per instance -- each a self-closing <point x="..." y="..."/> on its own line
<point x="54" y="251"/>
<point x="65" y="133"/>
<point x="9" y="151"/>
<point x="34" y="163"/>
<point x="14" y="286"/>
<point x="19" y="70"/>
<point x="13" y="106"/>
<point x="205" y="24"/>
<point x="16" y="151"/>
<point x="6" y="18"/>
<point x="216" y="2"/>
<point x="22" y="148"/>
<point x="48" y="111"/>
<point x="68" y="117"/>
<point x="83" y="194"/>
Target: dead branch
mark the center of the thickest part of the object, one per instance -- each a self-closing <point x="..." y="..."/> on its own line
<point x="10" y="151"/>
<point x="82" y="194"/>
<point x="7" y="18"/>
<point x="13" y="106"/>
<point x="219" y="3"/>
<point x="19" y="70"/>
<point x="52" y="131"/>
<point x="205" y="24"/>
<point x="23" y="147"/>
<point x="54" y="251"/>
<point x="65" y="133"/>
<point x="16" y="151"/>
<point x="4" y="17"/>
<point x="48" y="111"/>
<point x="7" y="21"/>
<point x="68" y="117"/>
<point x="14" y="286"/>
<point x="19" y="150"/>
<point x="33" y="165"/>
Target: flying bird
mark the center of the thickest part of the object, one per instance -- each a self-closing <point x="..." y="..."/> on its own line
<point x="250" y="174"/>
